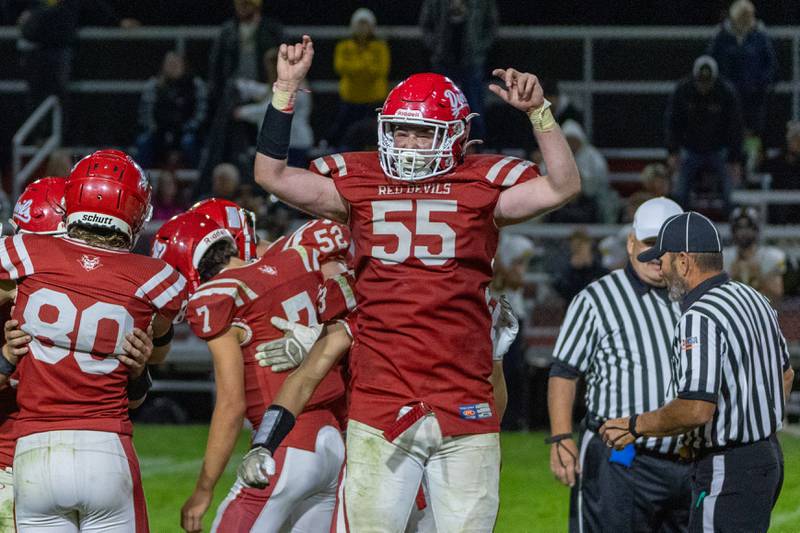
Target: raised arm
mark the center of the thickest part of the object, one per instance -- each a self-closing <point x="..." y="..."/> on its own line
<point x="301" y="188"/>
<point x="562" y="183"/>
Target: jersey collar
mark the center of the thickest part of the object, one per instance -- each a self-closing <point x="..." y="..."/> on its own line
<point x="693" y="295"/>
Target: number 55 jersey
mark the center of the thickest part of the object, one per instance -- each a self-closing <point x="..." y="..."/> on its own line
<point x="78" y="302"/>
<point x="423" y="255"/>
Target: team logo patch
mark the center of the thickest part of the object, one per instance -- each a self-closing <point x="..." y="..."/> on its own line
<point x="158" y="249"/>
<point x="89" y="262"/>
<point x="689" y="343"/>
<point x="267" y="269"/>
<point x="475" y="411"/>
<point x="23" y="210"/>
<point x="457" y="101"/>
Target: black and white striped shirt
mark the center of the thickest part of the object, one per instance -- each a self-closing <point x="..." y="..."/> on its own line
<point x="618" y="334"/>
<point x="729" y="349"/>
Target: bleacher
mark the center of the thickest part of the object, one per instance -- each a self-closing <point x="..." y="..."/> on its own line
<point x="621" y="76"/>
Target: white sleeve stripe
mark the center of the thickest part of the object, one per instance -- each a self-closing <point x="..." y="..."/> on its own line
<point x="339" y="160"/>
<point x="297" y="236"/>
<point x="315" y="258"/>
<point x="5" y="261"/>
<point x="153" y="282"/>
<point x="497" y="167"/>
<point x="303" y="256"/>
<point x="225" y="291"/>
<point x="516" y="172"/>
<point x="321" y="165"/>
<point x="239" y="283"/>
<point x="22" y="252"/>
<point x="170" y="293"/>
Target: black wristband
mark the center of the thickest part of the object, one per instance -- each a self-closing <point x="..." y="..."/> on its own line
<point x="273" y="139"/>
<point x="6" y="366"/>
<point x="632" y="426"/>
<point x="276" y="423"/>
<point x="557" y="438"/>
<point x="166" y="338"/>
<point x="139" y="387"/>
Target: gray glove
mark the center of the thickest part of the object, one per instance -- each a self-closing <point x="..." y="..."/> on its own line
<point x="290" y="350"/>
<point x="256" y="468"/>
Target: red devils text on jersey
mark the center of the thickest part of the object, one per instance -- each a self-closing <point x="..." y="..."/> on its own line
<point x="78" y="302"/>
<point x="423" y="262"/>
<point x="284" y="284"/>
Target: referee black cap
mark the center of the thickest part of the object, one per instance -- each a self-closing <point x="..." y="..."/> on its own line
<point x="688" y="232"/>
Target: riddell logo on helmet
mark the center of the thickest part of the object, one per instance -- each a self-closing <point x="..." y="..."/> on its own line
<point x="413" y="113"/>
<point x="95" y="219"/>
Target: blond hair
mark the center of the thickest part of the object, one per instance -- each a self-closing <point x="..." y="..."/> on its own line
<point x="100" y="237"/>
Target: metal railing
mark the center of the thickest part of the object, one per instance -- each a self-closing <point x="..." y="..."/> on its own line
<point x="587" y="35"/>
<point x="37" y="152"/>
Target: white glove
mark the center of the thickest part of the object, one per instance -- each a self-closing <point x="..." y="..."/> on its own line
<point x="256" y="468"/>
<point x="506" y="330"/>
<point x="290" y="350"/>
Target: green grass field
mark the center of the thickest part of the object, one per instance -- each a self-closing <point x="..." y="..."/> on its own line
<point x="531" y="501"/>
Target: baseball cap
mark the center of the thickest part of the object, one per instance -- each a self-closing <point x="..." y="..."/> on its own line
<point x="688" y="232"/>
<point x="651" y="215"/>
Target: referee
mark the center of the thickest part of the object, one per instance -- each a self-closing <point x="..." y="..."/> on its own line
<point x="732" y="377"/>
<point x="617" y="335"/>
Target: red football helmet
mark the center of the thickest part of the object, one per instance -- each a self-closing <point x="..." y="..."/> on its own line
<point x="431" y="101"/>
<point x="108" y="189"/>
<point x="40" y="208"/>
<point x="240" y="222"/>
<point x="184" y="239"/>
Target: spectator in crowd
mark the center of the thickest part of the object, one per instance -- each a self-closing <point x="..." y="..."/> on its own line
<point x="747" y="260"/>
<point x="563" y="107"/>
<point x="362" y="63"/>
<point x="655" y="183"/>
<point x="166" y="198"/>
<point x="59" y="163"/>
<point x="594" y="174"/>
<point x="459" y="34"/>
<point x="746" y="58"/>
<point x="785" y="171"/>
<point x="514" y="253"/>
<point x="237" y="54"/>
<point x="225" y="182"/>
<point x="48" y="32"/>
<point x="584" y="266"/>
<point x="171" y="111"/>
<point x="704" y="131"/>
<point x="259" y="96"/>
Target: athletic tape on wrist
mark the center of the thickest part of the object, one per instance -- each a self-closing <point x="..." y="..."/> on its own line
<point x="283" y="100"/>
<point x="139" y="387"/>
<point x="276" y="423"/>
<point x="273" y="139"/>
<point x="542" y="118"/>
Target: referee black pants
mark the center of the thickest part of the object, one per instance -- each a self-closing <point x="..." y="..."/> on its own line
<point x="652" y="495"/>
<point x="735" y="490"/>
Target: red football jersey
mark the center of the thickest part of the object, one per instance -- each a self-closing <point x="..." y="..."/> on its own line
<point x="423" y="263"/>
<point x="337" y="297"/>
<point x="330" y="239"/>
<point x="8" y="404"/>
<point x="284" y="284"/>
<point x="78" y="302"/>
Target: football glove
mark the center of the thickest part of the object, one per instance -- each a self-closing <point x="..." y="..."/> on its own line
<point x="256" y="468"/>
<point x="506" y="330"/>
<point x="290" y="350"/>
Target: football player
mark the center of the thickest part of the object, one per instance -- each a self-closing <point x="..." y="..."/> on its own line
<point x="230" y="308"/>
<point x="424" y="218"/>
<point x="40" y="210"/>
<point x="77" y="297"/>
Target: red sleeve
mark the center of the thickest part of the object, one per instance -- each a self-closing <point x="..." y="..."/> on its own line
<point x="15" y="262"/>
<point x="330" y="239"/>
<point x="167" y="292"/>
<point x="213" y="307"/>
<point x="509" y="171"/>
<point x="336" y="297"/>
<point x="338" y="167"/>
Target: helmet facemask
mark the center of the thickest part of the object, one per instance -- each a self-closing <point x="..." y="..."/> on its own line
<point x="416" y="164"/>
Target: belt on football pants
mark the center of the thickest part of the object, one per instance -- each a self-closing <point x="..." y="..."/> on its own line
<point x="408" y="419"/>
